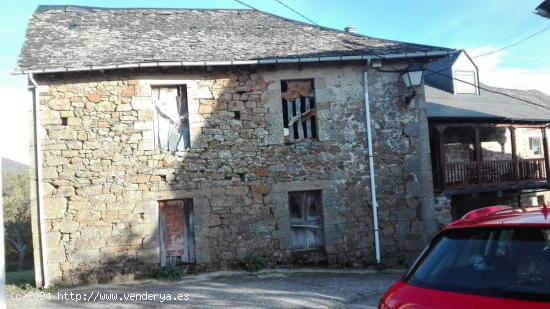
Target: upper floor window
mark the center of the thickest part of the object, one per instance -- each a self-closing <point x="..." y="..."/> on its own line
<point x="534" y="145"/>
<point x="465" y="82"/>
<point x="299" y="110"/>
<point x="171" y="118"/>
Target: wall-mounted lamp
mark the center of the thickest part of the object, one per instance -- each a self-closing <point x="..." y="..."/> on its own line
<point x="412" y="77"/>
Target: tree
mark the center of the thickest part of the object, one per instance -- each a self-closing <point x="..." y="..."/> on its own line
<point x="17" y="214"/>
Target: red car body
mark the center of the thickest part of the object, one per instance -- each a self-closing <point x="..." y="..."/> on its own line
<point x="404" y="295"/>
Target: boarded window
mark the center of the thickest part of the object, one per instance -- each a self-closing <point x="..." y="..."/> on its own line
<point x="465" y="82"/>
<point x="171" y="118"/>
<point x="306" y="220"/>
<point x="177" y="241"/>
<point x="534" y="145"/>
<point x="299" y="110"/>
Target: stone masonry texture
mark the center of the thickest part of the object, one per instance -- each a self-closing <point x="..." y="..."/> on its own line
<point x="102" y="177"/>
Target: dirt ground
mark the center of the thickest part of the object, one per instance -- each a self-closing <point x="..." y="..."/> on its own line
<point x="296" y="288"/>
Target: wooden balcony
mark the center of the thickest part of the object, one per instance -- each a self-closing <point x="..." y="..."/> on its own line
<point x="487" y="173"/>
<point x="474" y="174"/>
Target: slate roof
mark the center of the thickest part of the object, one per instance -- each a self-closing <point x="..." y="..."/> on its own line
<point x="544" y="9"/>
<point x="441" y="64"/>
<point x="60" y="37"/>
<point x="487" y="105"/>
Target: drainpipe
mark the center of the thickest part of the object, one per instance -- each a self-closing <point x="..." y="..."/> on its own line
<point x="37" y="139"/>
<point x="374" y="204"/>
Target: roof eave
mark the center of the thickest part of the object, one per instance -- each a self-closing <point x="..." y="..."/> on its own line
<point x="486" y="119"/>
<point x="434" y="53"/>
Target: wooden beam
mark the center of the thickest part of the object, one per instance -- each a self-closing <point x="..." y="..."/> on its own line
<point x="290" y="113"/>
<point x="514" y="153"/>
<point x="487" y="125"/>
<point x="478" y="153"/>
<point x="306" y="117"/>
<point x="299" y="115"/>
<point x="442" y="158"/>
<point x="545" y="148"/>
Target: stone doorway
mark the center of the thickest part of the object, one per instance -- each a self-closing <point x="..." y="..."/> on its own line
<point x="177" y="241"/>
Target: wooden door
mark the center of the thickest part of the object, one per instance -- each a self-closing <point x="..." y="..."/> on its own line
<point x="177" y="244"/>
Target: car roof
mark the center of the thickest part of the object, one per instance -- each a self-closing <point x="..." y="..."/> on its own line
<point x="505" y="216"/>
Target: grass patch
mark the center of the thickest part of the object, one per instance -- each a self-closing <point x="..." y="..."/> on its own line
<point x="170" y="272"/>
<point x="19" y="280"/>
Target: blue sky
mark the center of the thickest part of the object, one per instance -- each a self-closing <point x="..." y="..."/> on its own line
<point x="475" y="25"/>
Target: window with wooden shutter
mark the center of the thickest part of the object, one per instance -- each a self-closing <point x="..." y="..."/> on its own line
<point x="306" y="220"/>
<point x="299" y="110"/>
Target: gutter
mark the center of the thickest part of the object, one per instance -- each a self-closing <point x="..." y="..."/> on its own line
<point x="374" y="203"/>
<point x="438" y="53"/>
<point x="37" y="139"/>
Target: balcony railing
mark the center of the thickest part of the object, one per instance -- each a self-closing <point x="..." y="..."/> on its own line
<point x="466" y="174"/>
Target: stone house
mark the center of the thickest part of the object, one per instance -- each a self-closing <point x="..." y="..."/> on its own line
<point x="488" y="145"/>
<point x="185" y="136"/>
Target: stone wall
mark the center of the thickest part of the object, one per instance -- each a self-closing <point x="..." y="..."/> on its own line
<point x="103" y="177"/>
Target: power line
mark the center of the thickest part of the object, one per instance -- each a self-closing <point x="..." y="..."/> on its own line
<point x="247" y="5"/>
<point x="293" y="10"/>
<point x="439" y="72"/>
<point x="514" y="44"/>
<point x="489" y="90"/>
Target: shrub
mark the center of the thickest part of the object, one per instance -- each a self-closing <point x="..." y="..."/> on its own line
<point x="254" y="262"/>
<point x="170" y="273"/>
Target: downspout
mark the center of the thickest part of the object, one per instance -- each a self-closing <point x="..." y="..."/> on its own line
<point x="37" y="139"/>
<point x="374" y="204"/>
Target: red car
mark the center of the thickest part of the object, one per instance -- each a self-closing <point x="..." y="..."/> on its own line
<point x="494" y="257"/>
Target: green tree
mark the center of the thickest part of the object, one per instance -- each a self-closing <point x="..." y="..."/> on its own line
<point x="17" y="214"/>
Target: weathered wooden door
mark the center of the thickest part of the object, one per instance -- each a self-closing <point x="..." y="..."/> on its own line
<point x="177" y="241"/>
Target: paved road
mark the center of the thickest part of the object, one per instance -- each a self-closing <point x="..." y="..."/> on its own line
<point x="267" y="289"/>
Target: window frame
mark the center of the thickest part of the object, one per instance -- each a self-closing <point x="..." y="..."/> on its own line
<point x="532" y="145"/>
<point x="183" y="111"/>
<point x="304" y="123"/>
<point x="457" y="82"/>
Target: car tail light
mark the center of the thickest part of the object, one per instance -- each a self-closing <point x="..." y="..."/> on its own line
<point x="484" y="211"/>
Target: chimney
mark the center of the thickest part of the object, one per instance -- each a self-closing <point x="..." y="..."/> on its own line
<point x="350" y="29"/>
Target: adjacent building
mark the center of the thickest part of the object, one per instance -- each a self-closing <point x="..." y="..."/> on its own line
<point x="488" y="145"/>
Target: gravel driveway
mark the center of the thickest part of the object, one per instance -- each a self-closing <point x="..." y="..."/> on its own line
<point x="296" y="288"/>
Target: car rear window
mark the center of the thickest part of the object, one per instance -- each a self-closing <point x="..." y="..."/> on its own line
<point x="504" y="263"/>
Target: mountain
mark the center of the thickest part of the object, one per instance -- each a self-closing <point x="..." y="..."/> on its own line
<point x="12" y="166"/>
